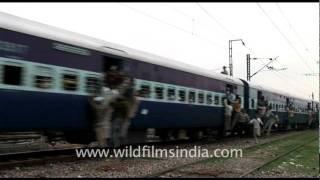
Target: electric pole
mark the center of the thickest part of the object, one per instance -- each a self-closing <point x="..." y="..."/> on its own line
<point x="249" y="76"/>
<point x="230" y="54"/>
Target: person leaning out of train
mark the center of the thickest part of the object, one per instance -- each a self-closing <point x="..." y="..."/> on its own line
<point x="227" y="117"/>
<point x="236" y="111"/>
<point x="132" y="102"/>
<point x="262" y="106"/>
<point x="231" y="97"/>
<point x="243" y="122"/>
<point x="124" y="109"/>
<point x="103" y="111"/>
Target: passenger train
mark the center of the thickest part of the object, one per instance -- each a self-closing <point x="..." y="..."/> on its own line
<point x="47" y="75"/>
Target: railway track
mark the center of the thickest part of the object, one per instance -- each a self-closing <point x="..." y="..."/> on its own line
<point x="178" y="167"/>
<point x="251" y="171"/>
<point x="10" y="160"/>
<point x="29" y="158"/>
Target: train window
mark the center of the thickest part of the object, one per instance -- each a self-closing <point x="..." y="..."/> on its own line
<point x="252" y="103"/>
<point x="159" y="92"/>
<point x="209" y="98"/>
<point x="216" y="99"/>
<point x="277" y="107"/>
<point x="171" y="94"/>
<point x="144" y="91"/>
<point x="182" y="95"/>
<point x="192" y="96"/>
<point x="70" y="82"/>
<point x="43" y="78"/>
<point x="12" y="75"/>
<point x="92" y="84"/>
<point x="201" y="98"/>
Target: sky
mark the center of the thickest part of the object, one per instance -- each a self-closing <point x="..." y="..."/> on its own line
<point x="198" y="34"/>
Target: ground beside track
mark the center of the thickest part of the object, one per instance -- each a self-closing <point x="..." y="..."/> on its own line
<point x="141" y="167"/>
<point x="302" y="162"/>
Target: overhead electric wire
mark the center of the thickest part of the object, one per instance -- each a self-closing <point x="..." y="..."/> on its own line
<point x="285" y="37"/>
<point x="215" y="19"/>
<point x="172" y="25"/>
<point x="294" y="30"/>
<point x="288" y="80"/>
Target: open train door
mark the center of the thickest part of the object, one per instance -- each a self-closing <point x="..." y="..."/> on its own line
<point x="246" y="94"/>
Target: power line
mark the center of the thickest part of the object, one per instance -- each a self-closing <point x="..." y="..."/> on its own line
<point x="285" y="37"/>
<point x="294" y="30"/>
<point x="288" y="80"/>
<point x="204" y="25"/>
<point x="172" y="25"/>
<point x="215" y="19"/>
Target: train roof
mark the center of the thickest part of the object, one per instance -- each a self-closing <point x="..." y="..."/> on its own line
<point x="269" y="89"/>
<point x="15" y="23"/>
<point x="23" y="25"/>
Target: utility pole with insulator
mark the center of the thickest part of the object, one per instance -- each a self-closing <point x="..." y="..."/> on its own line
<point x="248" y="67"/>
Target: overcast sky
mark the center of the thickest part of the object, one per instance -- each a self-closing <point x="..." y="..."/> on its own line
<point x="198" y="34"/>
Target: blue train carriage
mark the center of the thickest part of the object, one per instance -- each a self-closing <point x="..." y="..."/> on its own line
<point x="291" y="110"/>
<point x="177" y="97"/>
<point x="46" y="76"/>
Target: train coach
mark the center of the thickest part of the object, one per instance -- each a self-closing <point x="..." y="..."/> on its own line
<point x="47" y="75"/>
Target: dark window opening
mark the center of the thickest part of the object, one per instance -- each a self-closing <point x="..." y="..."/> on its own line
<point x="92" y="85"/>
<point x="159" y="92"/>
<point x="252" y="103"/>
<point x="12" y="75"/>
<point x="171" y="94"/>
<point x="70" y="82"/>
<point x="144" y="91"/>
<point x="43" y="82"/>
<point x="182" y="95"/>
<point x="192" y="97"/>
<point x="209" y="99"/>
<point x="201" y="98"/>
<point x="216" y="100"/>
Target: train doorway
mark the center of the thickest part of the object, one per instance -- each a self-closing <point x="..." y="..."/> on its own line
<point x="112" y="63"/>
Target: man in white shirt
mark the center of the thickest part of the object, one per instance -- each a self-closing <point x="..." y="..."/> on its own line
<point x="256" y="127"/>
<point x="227" y="119"/>
<point x="101" y="104"/>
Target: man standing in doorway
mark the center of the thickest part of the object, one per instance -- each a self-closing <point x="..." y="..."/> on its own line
<point x="224" y="70"/>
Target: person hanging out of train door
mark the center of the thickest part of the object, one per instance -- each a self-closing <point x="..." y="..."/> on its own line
<point x="261" y="106"/>
<point x="227" y="117"/>
<point x="124" y="109"/>
<point x="243" y="122"/>
<point x="130" y="96"/>
<point x="236" y="112"/>
<point x="101" y="104"/>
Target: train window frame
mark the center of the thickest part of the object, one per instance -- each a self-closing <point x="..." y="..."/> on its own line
<point x="158" y="86"/>
<point x="183" y="91"/>
<point x="203" y="97"/>
<point x="44" y="72"/>
<point x="209" y="101"/>
<point x="189" y="96"/>
<point x="174" y="97"/>
<point x="20" y="78"/>
<point x="77" y="82"/>
<point x="216" y="99"/>
<point x="97" y="86"/>
<point x="145" y="95"/>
